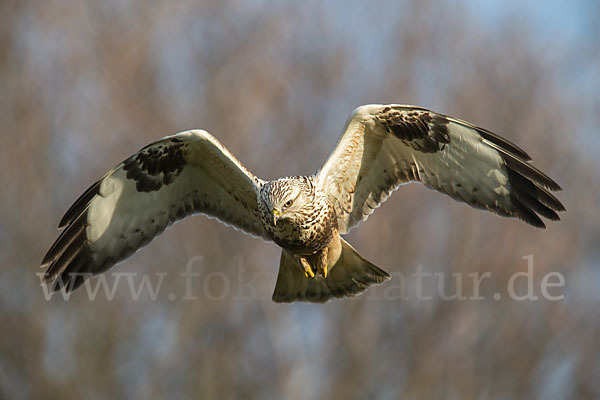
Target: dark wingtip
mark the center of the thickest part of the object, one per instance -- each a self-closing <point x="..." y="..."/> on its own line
<point x="69" y="274"/>
<point x="530" y="193"/>
<point x="75" y="232"/>
<point x="505" y="144"/>
<point x="68" y="254"/>
<point x="530" y="172"/>
<point x="80" y="205"/>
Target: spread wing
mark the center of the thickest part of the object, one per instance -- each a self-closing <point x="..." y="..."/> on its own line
<point x="384" y="146"/>
<point x="177" y="176"/>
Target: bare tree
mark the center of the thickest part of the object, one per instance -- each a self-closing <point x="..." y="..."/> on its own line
<point x="85" y="84"/>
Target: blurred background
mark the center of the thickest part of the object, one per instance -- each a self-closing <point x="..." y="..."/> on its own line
<point x="87" y="83"/>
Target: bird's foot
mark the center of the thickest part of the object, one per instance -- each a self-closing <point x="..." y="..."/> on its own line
<point x="323" y="270"/>
<point x="322" y="262"/>
<point x="308" y="272"/>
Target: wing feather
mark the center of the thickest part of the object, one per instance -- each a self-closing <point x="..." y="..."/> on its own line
<point x="180" y="175"/>
<point x="384" y="146"/>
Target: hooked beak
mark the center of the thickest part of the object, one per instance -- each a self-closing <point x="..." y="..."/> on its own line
<point x="276" y="215"/>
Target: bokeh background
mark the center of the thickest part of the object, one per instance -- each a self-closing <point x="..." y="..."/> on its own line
<point x="84" y="84"/>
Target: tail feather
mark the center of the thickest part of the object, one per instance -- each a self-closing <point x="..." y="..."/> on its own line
<point x="350" y="275"/>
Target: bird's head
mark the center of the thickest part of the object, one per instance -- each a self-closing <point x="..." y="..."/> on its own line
<point x="286" y="198"/>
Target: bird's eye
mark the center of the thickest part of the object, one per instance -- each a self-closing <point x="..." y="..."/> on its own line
<point x="288" y="203"/>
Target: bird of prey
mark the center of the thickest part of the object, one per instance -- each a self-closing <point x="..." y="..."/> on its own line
<point x="381" y="148"/>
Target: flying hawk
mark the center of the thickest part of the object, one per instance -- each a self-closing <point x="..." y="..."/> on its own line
<point x="382" y="147"/>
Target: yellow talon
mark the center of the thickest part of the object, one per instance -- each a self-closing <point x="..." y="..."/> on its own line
<point x="308" y="272"/>
<point x="325" y="271"/>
